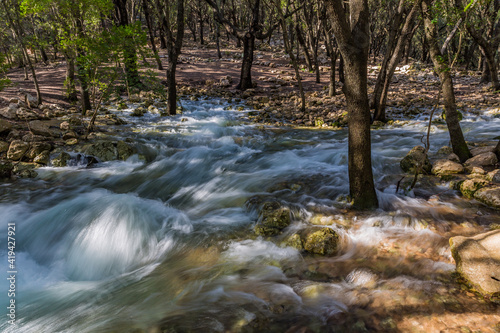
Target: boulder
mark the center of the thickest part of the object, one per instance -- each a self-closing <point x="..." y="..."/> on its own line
<point x="42" y="158"/>
<point x="273" y="218"/>
<point x="61" y="160"/>
<point x="489" y="195"/>
<point x="69" y="135"/>
<point x="105" y="151"/>
<point x="445" y="150"/>
<point x="481" y="150"/>
<point x="5" y="126"/>
<point x="478" y="260"/>
<point x="124" y="150"/>
<point x="484" y="159"/>
<point x="453" y="157"/>
<point x="9" y="112"/>
<point x="64" y="126"/>
<point x="493" y="176"/>
<point x="415" y="160"/>
<point x="138" y="112"/>
<point x="25" y="114"/>
<point x="39" y="127"/>
<point x="25" y="170"/>
<point x="17" y="150"/>
<point x="324" y="241"/>
<point x="469" y="186"/>
<point x="37" y="148"/>
<point x="446" y="167"/>
<point x="4" y="146"/>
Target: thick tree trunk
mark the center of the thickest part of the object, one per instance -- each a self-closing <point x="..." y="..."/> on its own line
<point x="497" y="149"/>
<point x="171" y="84"/>
<point x="163" y="42"/>
<point x="246" y="66"/>
<point x="456" y="136"/>
<point x="490" y="68"/>
<point x="353" y="41"/>
<point x="217" y="39"/>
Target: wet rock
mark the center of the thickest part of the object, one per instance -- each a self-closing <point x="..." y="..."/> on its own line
<point x="5" y="126"/>
<point x="5" y="169"/>
<point x="71" y="142"/>
<point x="138" y="112"/>
<point x="9" y="112"/>
<point x="493" y="176"/>
<point x="361" y="277"/>
<point x="295" y="241"/>
<point x="25" y="170"/>
<point x="17" y="150"/>
<point x="61" y="160"/>
<point x="154" y="110"/>
<point x="481" y="150"/>
<point x="445" y="150"/>
<point x="324" y="241"/>
<point x="469" y="186"/>
<point x="75" y="121"/>
<point x="477" y="260"/>
<point x="124" y="150"/>
<point x="446" y="167"/>
<point x="38" y="127"/>
<point x="273" y="218"/>
<point x="477" y="171"/>
<point x="37" y="148"/>
<point x="481" y="160"/>
<point x="489" y="195"/>
<point x="4" y="146"/>
<point x="105" y="151"/>
<point x="416" y="160"/>
<point x="42" y="158"/>
<point x="25" y="114"/>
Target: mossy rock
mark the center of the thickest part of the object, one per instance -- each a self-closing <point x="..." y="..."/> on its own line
<point x="273" y="218"/>
<point x="5" y="169"/>
<point x="124" y="150"/>
<point x="469" y="186"/>
<point x="294" y="241"/>
<point x="61" y="160"/>
<point x="323" y="241"/>
<point x="416" y="160"/>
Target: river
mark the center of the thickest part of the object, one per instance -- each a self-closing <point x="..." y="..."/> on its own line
<point x="166" y="241"/>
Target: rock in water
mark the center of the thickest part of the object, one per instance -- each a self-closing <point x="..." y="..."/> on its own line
<point x="446" y="167"/>
<point x="322" y="241"/>
<point x="489" y="195"/>
<point x="61" y="160"/>
<point x="478" y="260"/>
<point x="484" y="159"/>
<point x="415" y="160"/>
<point x="272" y="219"/>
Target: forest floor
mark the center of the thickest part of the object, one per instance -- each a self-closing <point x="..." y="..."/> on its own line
<point x="413" y="89"/>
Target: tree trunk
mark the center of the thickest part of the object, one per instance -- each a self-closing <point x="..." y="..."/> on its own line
<point x="202" y="40"/>
<point x="217" y="39"/>
<point x="353" y="41"/>
<point x="497" y="150"/>
<point x="489" y="55"/>
<point x="129" y="51"/>
<point x="147" y="16"/>
<point x="246" y="66"/>
<point x="392" y="58"/>
<point x="69" y="83"/>
<point x="302" y="43"/>
<point x="456" y="136"/>
<point x="333" y="54"/>
<point x="163" y="42"/>
<point x="171" y="84"/>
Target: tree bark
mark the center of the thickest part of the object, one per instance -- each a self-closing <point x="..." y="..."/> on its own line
<point x="353" y="41"/>
<point x="147" y="16"/>
<point x="69" y="83"/>
<point x="489" y="55"/>
<point x="391" y="60"/>
<point x="129" y="51"/>
<point x="246" y="66"/>
<point x="497" y="149"/>
<point x="456" y="136"/>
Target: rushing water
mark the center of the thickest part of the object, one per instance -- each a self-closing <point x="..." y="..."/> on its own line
<point x="166" y="240"/>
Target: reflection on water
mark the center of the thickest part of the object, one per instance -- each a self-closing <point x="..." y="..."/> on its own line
<point x="168" y="244"/>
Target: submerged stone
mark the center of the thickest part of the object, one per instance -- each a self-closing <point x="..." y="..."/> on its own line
<point x="61" y="160"/>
